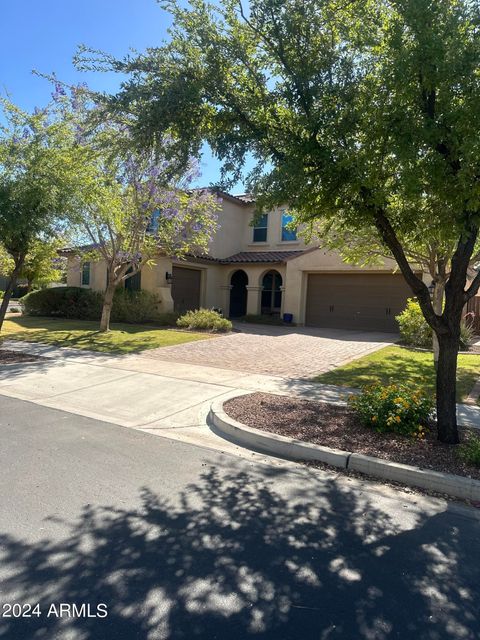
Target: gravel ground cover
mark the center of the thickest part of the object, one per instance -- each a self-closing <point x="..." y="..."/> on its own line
<point x="337" y="426"/>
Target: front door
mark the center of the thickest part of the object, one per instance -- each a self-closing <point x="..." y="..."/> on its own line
<point x="238" y="294"/>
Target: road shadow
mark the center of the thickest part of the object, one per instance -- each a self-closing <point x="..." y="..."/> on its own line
<point x="235" y="557"/>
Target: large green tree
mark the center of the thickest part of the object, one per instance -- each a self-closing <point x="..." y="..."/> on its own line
<point x="38" y="182"/>
<point x="355" y="110"/>
<point x="42" y="265"/>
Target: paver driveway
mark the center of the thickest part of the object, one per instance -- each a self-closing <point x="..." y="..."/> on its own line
<point x="293" y="352"/>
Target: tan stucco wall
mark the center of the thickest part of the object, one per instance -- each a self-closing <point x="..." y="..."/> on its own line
<point x="235" y="232"/>
<point x="232" y="222"/>
<point x="98" y="274"/>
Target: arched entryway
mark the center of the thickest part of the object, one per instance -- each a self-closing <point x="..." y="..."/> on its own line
<point x="271" y="293"/>
<point x="238" y="294"/>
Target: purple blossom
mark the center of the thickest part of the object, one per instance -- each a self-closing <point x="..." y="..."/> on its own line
<point x="59" y="92"/>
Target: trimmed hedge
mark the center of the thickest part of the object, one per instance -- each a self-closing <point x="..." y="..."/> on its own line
<point x="64" y="302"/>
<point x="133" y="307"/>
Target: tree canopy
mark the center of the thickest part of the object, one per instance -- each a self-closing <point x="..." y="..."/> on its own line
<point x="133" y="203"/>
<point x="39" y="180"/>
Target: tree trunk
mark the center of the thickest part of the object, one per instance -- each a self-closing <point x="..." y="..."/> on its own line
<point x="447" y="430"/>
<point x="107" y="307"/>
<point x="437" y="303"/>
<point x="9" y="290"/>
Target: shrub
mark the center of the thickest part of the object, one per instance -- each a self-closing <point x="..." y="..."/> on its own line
<point x="205" y="320"/>
<point x="64" y="302"/>
<point x="135" y="306"/>
<point x="414" y="330"/>
<point x="85" y="304"/>
<point x="393" y="408"/>
<point x="469" y="451"/>
<point x="466" y="336"/>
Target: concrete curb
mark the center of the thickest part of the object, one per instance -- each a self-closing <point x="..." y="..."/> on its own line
<point x="272" y="443"/>
<point x="457" y="486"/>
<point x="291" y="449"/>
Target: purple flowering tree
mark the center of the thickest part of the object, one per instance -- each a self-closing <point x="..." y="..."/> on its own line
<point x="136" y="204"/>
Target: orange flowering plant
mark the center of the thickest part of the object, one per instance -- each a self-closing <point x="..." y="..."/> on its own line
<point x="393" y="408"/>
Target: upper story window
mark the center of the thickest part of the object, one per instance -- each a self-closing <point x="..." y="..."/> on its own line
<point x="86" y="273"/>
<point x="288" y="234"/>
<point x="260" y="229"/>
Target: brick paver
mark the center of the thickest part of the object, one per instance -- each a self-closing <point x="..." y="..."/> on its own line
<point x="291" y="352"/>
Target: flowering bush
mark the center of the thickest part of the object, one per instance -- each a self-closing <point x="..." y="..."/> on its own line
<point x="393" y="408"/>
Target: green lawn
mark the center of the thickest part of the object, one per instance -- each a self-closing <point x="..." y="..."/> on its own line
<point x="400" y="364"/>
<point x="83" y="334"/>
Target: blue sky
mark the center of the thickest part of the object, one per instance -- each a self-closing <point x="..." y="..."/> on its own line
<point x="44" y="34"/>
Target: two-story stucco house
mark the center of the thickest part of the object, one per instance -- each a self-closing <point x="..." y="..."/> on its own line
<point x="267" y="269"/>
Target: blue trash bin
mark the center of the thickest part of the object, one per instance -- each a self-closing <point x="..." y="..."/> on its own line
<point x="288" y="318"/>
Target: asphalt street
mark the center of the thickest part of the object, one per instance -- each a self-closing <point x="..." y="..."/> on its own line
<point x="111" y="533"/>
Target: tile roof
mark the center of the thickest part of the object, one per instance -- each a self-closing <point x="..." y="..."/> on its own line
<point x="65" y="251"/>
<point x="260" y="256"/>
<point x="249" y="198"/>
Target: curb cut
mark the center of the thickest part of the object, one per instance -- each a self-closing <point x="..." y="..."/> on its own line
<point x="291" y="449"/>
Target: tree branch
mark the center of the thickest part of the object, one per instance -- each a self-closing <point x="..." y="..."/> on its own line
<point x="473" y="288"/>
<point x="417" y="285"/>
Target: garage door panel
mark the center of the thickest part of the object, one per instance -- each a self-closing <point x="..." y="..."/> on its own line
<point x="356" y="301"/>
<point x="186" y="288"/>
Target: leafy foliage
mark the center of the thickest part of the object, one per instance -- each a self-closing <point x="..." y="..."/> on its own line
<point x="39" y="181"/>
<point x="42" y="264"/>
<point x="393" y="408"/>
<point x="204" y="320"/>
<point x="414" y="331"/>
<point x="64" y="302"/>
<point x="135" y="307"/>
<point x="136" y="202"/>
<point x="138" y="307"/>
<point x="469" y="451"/>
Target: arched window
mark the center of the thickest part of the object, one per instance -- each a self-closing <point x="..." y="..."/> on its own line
<point x="271" y="293"/>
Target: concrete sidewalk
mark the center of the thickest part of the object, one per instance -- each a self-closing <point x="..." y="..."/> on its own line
<point x="162" y="397"/>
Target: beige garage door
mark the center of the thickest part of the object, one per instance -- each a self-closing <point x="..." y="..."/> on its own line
<point x="355" y="301"/>
<point x="186" y="288"/>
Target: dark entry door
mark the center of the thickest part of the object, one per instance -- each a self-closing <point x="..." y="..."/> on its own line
<point x="238" y="294"/>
